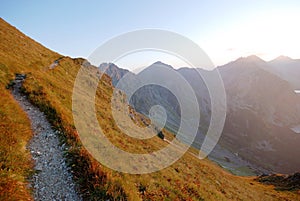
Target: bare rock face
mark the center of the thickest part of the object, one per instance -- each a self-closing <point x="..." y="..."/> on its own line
<point x="282" y="182"/>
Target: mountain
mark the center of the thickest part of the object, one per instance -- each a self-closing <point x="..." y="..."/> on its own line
<point x="262" y="109"/>
<point x="146" y="97"/>
<point x="287" y="69"/>
<point x="262" y="112"/>
<point x="155" y="94"/>
<point x="50" y="88"/>
<point x="113" y="71"/>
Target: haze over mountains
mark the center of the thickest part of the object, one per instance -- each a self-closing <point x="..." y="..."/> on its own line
<point x="48" y="81"/>
<point x="263" y="110"/>
<point x="287" y="69"/>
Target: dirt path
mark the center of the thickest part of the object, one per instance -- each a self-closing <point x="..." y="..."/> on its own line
<point x="52" y="179"/>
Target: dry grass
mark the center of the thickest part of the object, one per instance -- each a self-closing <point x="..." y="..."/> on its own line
<point x="51" y="90"/>
<point x="15" y="163"/>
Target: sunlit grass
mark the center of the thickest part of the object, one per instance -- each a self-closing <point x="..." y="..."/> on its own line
<point x="15" y="163"/>
<point x="51" y="90"/>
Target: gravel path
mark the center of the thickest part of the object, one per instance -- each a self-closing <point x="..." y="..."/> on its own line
<point x="52" y="179"/>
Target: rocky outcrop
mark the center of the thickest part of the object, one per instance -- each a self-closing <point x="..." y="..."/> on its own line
<point x="282" y="182"/>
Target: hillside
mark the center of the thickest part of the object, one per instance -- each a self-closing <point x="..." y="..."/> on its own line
<point x="262" y="110"/>
<point x="51" y="90"/>
<point x="286" y="68"/>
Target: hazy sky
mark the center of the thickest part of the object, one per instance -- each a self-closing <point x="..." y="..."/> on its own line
<point x="225" y="30"/>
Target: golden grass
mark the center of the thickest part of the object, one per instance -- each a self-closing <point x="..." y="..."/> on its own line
<point x="51" y="90"/>
<point x="15" y="163"/>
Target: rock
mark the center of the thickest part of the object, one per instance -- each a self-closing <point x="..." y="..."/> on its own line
<point x="20" y="76"/>
<point x="282" y="182"/>
<point x="161" y="135"/>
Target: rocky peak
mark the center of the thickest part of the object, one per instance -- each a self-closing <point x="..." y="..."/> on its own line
<point x="161" y="63"/>
<point x="250" y="59"/>
<point x="282" y="58"/>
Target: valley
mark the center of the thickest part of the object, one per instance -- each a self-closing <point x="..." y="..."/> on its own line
<point x="244" y="149"/>
<point x="49" y="88"/>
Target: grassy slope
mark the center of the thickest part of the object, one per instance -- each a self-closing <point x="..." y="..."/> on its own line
<point x="15" y="163"/>
<point x="51" y="90"/>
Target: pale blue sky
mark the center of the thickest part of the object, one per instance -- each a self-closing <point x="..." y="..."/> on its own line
<point x="224" y="29"/>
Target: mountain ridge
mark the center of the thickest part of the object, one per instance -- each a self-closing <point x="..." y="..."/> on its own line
<point x="247" y="83"/>
<point x="51" y="90"/>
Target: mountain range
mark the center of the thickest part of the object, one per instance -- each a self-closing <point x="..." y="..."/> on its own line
<point x="260" y="133"/>
<point x="48" y="81"/>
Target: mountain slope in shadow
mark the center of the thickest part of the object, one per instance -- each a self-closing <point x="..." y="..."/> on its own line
<point x="51" y="90"/>
<point x="262" y="110"/>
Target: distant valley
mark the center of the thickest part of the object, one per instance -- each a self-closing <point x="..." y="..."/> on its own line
<point x="260" y="133"/>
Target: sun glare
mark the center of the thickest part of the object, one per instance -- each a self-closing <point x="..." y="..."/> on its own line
<point x="267" y="35"/>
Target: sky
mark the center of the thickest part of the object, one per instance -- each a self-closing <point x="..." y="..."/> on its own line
<point x="224" y="29"/>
